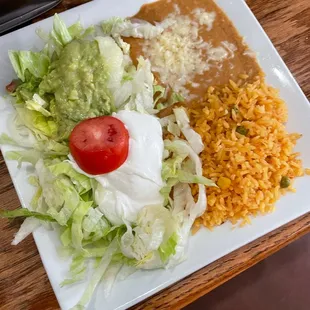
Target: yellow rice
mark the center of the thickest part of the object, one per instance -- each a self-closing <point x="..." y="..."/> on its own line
<point x="248" y="168"/>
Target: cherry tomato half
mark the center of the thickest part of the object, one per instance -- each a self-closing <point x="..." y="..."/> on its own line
<point x="99" y="145"/>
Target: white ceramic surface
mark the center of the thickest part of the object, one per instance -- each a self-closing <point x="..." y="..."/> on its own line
<point x="205" y="246"/>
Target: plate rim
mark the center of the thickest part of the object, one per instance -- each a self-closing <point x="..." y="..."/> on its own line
<point x="150" y="293"/>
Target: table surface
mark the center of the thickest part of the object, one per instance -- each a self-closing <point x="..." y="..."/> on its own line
<point x="23" y="282"/>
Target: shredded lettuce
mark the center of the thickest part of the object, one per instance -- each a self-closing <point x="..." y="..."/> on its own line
<point x="77" y="219"/>
<point x="159" y="93"/>
<point x="37" y="104"/>
<point x="7" y="140"/>
<point x="114" y="58"/>
<point x="27" y="88"/>
<point x="81" y="182"/>
<point x="167" y="119"/>
<point x="22" y="212"/>
<point x="36" y="63"/>
<point x="127" y="28"/>
<point x="25" y="156"/>
<point x="174" y="98"/>
<point x="98" y="274"/>
<point x="29" y="225"/>
<point x="117" y="28"/>
<point x="60" y="33"/>
<point x="141" y="89"/>
<point x="168" y="248"/>
<point x="76" y="29"/>
<point x="110" y="277"/>
<point x="78" y="270"/>
<point x="174" y="129"/>
<point x="37" y="122"/>
<point x="154" y="226"/>
<point x="95" y="225"/>
<point x="193" y="138"/>
<point x="175" y="168"/>
<point x="186" y="177"/>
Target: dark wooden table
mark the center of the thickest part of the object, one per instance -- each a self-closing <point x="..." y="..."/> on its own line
<point x="23" y="282"/>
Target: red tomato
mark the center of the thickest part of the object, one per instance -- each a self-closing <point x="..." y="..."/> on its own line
<point x="12" y="86"/>
<point x="99" y="145"/>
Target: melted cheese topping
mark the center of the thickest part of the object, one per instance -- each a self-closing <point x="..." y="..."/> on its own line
<point x="180" y="53"/>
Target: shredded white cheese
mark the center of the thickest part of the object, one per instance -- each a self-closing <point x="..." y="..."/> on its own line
<point x="205" y="18"/>
<point x="217" y="53"/>
<point x="230" y="47"/>
<point x="180" y="53"/>
<point x="250" y="53"/>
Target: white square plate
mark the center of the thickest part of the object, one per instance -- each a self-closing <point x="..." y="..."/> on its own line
<point x="205" y="247"/>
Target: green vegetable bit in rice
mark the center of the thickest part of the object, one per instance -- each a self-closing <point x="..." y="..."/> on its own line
<point x="242" y="130"/>
<point x="285" y="182"/>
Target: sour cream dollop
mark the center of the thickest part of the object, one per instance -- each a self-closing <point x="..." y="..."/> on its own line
<point x="122" y="193"/>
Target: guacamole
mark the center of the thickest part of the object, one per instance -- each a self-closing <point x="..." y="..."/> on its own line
<point x="77" y="82"/>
